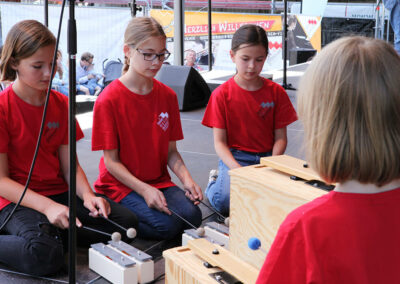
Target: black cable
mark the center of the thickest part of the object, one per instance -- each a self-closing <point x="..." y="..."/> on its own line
<point x="159" y="277"/>
<point x="42" y="123"/>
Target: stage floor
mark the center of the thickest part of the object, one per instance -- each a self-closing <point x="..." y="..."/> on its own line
<point x="198" y="152"/>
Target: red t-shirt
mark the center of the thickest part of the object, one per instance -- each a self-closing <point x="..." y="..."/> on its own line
<point x="338" y="238"/>
<point x="249" y="117"/>
<point x="19" y="130"/>
<point x="140" y="127"/>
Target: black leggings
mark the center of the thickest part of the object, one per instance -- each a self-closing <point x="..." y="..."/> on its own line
<point x="30" y="244"/>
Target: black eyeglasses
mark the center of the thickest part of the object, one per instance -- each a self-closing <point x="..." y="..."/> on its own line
<point x="150" y="56"/>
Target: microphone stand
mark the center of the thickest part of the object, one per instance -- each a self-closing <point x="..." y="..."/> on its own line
<point x="72" y="49"/>
<point x="134" y="8"/>
<point x="285" y="85"/>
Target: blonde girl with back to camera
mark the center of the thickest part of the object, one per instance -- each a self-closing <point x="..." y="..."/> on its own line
<point x="349" y="103"/>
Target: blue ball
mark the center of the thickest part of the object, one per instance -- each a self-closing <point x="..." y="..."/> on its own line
<point x="254" y="243"/>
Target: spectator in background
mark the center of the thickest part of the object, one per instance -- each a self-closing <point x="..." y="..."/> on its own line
<point x="191" y="59"/>
<point x="394" y="7"/>
<point x="61" y="78"/>
<point x="86" y="76"/>
<point x="198" y="45"/>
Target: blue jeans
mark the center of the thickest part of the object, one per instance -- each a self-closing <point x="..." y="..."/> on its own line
<point x="218" y="191"/>
<point x="394" y="7"/>
<point x="91" y="85"/>
<point x="157" y="225"/>
<point x="30" y="244"/>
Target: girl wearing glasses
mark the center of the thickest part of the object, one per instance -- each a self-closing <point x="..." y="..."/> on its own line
<point x="136" y="124"/>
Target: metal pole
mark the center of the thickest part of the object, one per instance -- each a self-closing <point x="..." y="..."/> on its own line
<point x="284" y="83"/>
<point x="179" y="25"/>
<point x="46" y="13"/>
<point x="72" y="48"/>
<point x="209" y="36"/>
<point x="284" y="41"/>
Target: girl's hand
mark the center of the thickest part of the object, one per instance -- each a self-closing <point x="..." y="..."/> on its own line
<point x="97" y="205"/>
<point x="193" y="191"/>
<point x="155" y="199"/>
<point x="58" y="215"/>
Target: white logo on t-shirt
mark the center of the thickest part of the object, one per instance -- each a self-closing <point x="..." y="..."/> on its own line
<point x="163" y="121"/>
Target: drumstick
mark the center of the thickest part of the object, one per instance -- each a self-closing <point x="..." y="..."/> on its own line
<point x="114" y="236"/>
<point x="200" y="231"/>
<point x="226" y="221"/>
<point x="130" y="233"/>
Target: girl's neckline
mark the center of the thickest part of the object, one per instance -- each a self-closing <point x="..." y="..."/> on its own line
<point x="244" y="89"/>
<point x="28" y="103"/>
<point x="144" y="96"/>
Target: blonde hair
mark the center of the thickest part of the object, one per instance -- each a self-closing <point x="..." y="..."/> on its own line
<point x="138" y="31"/>
<point x="22" y="41"/>
<point x="349" y="102"/>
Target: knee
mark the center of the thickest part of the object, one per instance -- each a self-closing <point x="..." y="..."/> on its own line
<point x="169" y="230"/>
<point x="221" y="202"/>
<point x="193" y="215"/>
<point x="45" y="256"/>
<point x="128" y="221"/>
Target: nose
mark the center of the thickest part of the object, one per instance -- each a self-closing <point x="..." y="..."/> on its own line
<point x="250" y="64"/>
<point x="156" y="61"/>
<point x="47" y="72"/>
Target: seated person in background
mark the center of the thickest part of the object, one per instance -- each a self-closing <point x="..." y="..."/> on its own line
<point x="190" y="59"/>
<point x="86" y="76"/>
<point x="349" y="103"/>
<point x="61" y="79"/>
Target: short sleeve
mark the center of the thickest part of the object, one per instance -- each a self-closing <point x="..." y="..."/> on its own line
<point x="176" y="126"/>
<point x="215" y="113"/>
<point x="79" y="134"/>
<point x="104" y="132"/>
<point x="285" y="113"/>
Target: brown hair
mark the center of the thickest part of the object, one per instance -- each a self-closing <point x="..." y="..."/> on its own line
<point x="349" y="102"/>
<point x="86" y="56"/>
<point x="138" y="31"/>
<point x="249" y="35"/>
<point x="22" y="41"/>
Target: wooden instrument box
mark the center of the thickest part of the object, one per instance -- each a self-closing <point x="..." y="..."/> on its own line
<point x="261" y="198"/>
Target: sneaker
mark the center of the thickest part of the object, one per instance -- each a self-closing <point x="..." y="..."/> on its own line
<point x="212" y="176"/>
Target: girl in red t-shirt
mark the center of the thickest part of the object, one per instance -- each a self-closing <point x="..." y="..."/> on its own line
<point x="349" y="102"/>
<point x="248" y="113"/>
<point x="137" y="123"/>
<point x="32" y="239"/>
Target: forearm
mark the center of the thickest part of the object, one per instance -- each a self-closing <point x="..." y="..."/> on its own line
<point x="83" y="189"/>
<point x="178" y="167"/>
<point x="225" y="155"/>
<point x="279" y="147"/>
<point x="12" y="191"/>
<point x="83" y="80"/>
<point x="123" y="175"/>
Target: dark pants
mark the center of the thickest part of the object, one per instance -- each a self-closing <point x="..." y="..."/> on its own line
<point x="154" y="224"/>
<point x="30" y="244"/>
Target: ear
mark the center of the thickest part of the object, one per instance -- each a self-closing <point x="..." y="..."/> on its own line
<point x="127" y="50"/>
<point x="13" y="63"/>
<point x="232" y="54"/>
